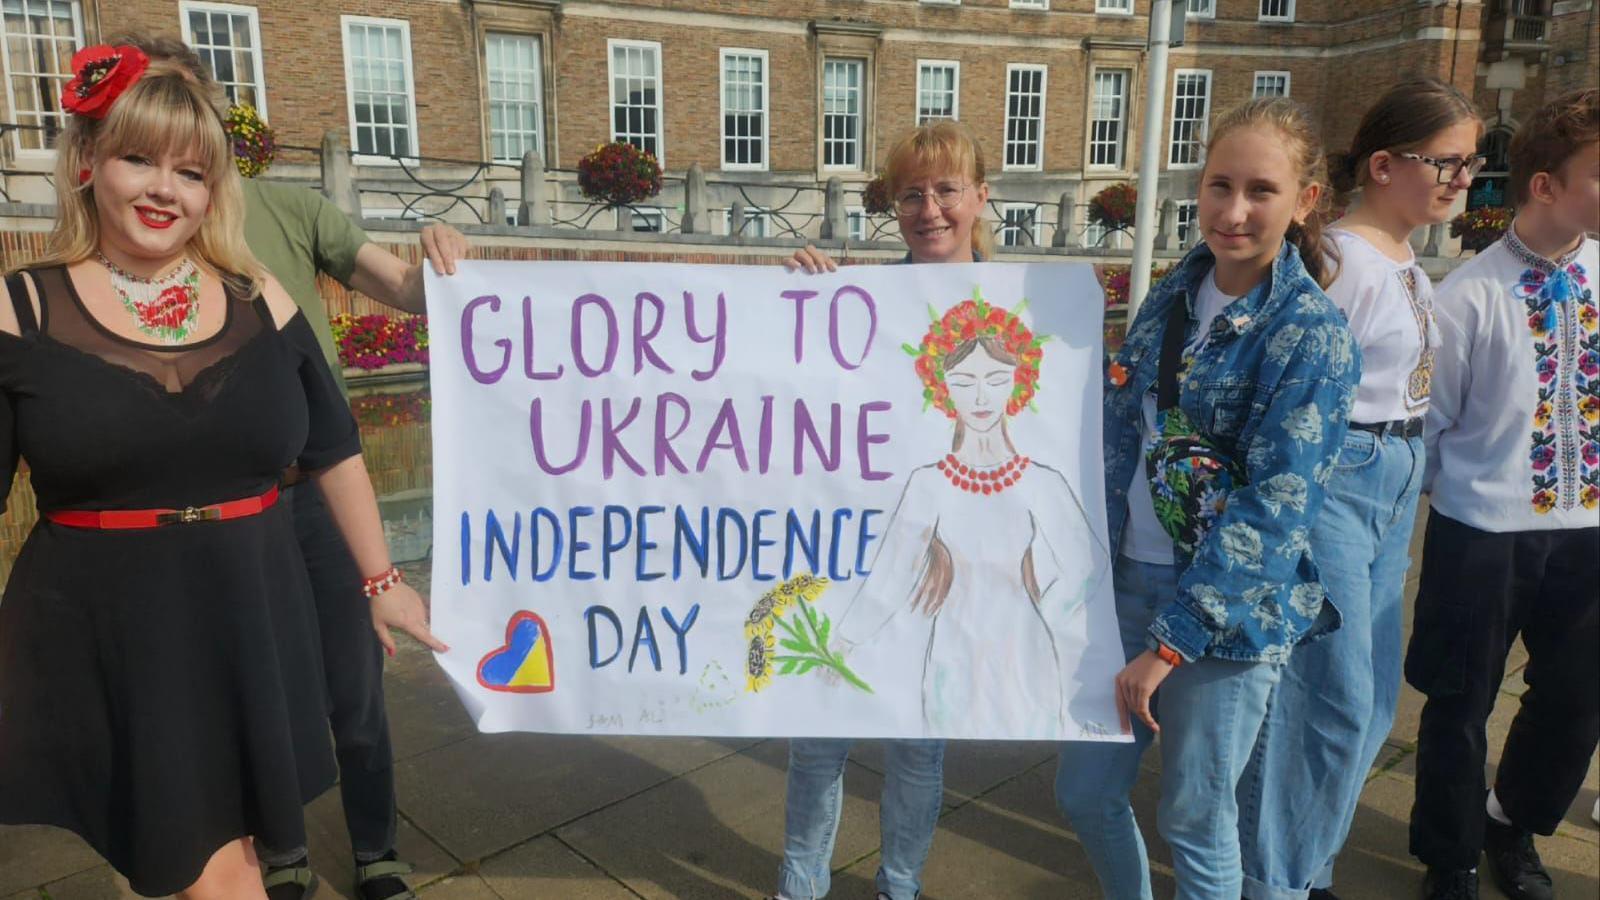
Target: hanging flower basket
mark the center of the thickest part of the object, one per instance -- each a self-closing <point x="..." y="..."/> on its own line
<point x="1114" y="206"/>
<point x="619" y="174"/>
<point x="875" y="199"/>
<point x="372" y="342"/>
<point x="254" y="143"/>
<point x="1478" y="228"/>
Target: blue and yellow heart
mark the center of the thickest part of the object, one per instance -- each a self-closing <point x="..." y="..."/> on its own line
<point x="524" y="664"/>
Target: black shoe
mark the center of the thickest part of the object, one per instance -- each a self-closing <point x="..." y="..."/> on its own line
<point x="1322" y="894"/>
<point x="1450" y="884"/>
<point x="1514" y="863"/>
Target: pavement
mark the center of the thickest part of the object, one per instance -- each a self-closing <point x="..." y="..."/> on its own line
<point x="530" y="817"/>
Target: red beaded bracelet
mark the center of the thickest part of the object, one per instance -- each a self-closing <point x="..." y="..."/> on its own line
<point x="381" y="582"/>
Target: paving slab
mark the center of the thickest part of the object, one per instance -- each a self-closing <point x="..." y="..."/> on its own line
<point x="331" y="857"/>
<point x="545" y="867"/>
<point x="717" y="833"/>
<point x="424" y="711"/>
<point x="31" y="855"/>
<point x="493" y="791"/>
<point x="464" y="887"/>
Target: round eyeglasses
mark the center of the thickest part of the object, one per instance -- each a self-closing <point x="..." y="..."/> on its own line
<point x="1451" y="167"/>
<point x="946" y="195"/>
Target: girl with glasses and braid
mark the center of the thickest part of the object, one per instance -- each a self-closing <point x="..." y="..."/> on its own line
<point x="1413" y="155"/>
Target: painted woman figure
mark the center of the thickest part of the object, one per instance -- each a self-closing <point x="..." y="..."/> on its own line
<point x="993" y="549"/>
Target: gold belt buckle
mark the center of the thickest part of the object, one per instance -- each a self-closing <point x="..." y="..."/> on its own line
<point x="189" y="514"/>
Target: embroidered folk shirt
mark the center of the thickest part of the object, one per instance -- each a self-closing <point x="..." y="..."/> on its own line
<point x="1390" y="308"/>
<point x="1514" y="432"/>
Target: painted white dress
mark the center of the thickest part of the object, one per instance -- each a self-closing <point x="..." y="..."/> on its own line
<point x="997" y="662"/>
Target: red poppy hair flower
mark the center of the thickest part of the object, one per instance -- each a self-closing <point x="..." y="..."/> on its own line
<point x="99" y="76"/>
<point x="971" y="320"/>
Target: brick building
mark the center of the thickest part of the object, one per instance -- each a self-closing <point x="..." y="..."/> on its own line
<point x="773" y="99"/>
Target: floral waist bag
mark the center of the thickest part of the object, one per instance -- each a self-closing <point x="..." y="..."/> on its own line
<point x="1190" y="477"/>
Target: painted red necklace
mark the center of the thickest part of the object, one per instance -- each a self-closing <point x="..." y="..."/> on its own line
<point x="983" y="481"/>
<point x="166" y="307"/>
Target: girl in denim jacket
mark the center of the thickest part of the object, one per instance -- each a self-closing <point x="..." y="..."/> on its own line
<point x="1269" y="373"/>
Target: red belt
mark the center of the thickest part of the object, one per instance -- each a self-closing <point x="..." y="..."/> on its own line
<point x="155" y="518"/>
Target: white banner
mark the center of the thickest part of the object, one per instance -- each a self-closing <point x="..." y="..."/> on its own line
<point x="719" y="500"/>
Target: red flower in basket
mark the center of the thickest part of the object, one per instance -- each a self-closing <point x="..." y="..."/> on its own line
<point x="99" y="75"/>
<point x="167" y="310"/>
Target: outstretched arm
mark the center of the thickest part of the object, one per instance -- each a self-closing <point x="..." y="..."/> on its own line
<point x="392" y="281"/>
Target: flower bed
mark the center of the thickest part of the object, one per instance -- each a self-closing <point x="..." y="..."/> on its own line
<point x="1115" y="280"/>
<point x="372" y="342"/>
<point x="1478" y="228"/>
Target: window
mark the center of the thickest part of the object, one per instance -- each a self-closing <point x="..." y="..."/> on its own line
<point x="39" y="39"/>
<point x="636" y="95"/>
<point x="938" y="90"/>
<point x="1115" y="7"/>
<point x="1030" y="4"/>
<point x="516" y="95"/>
<point x="1187" y="210"/>
<point x="1025" y="117"/>
<point x="228" y="39"/>
<point x="377" y="76"/>
<point x="744" y="109"/>
<point x="1097" y="235"/>
<point x="756" y="222"/>
<point x="855" y="223"/>
<point x="1019" y="225"/>
<point x="842" y="89"/>
<point x="1191" y="107"/>
<point x="1271" y="84"/>
<point x="1277" y="10"/>
<point x="1108" y="117"/>
<point x="647" y="219"/>
<point x="1202" y="9"/>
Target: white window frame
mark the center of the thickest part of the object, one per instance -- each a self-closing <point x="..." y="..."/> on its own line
<point x="1192" y="209"/>
<point x="855" y="222"/>
<point x="66" y="75"/>
<point x="1287" y="16"/>
<point x="1203" y="122"/>
<point x="941" y="2"/>
<point x="1038" y="142"/>
<point x="1030" y="4"/>
<point x="1122" y="120"/>
<point x="252" y="16"/>
<point x="1007" y="226"/>
<point x="927" y="65"/>
<point x="858" y="144"/>
<point x="766" y="109"/>
<point x="537" y="101"/>
<point x="751" y="213"/>
<point x="646" y="213"/>
<point x="1113" y="7"/>
<point x="1208" y="12"/>
<point x="612" y="45"/>
<point x="414" y="138"/>
<point x="1255" y="82"/>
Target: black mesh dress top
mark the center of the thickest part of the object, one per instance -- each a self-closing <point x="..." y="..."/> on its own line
<point x="161" y="689"/>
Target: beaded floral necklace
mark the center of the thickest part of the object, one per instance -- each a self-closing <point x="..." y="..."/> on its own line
<point x="166" y="307"/>
<point x="983" y="481"/>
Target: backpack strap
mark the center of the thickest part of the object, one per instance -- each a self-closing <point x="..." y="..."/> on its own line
<point x="1171" y="354"/>
<point x="22" y="303"/>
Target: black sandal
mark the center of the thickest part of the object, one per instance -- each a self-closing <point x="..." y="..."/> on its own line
<point x="300" y="876"/>
<point x="381" y="870"/>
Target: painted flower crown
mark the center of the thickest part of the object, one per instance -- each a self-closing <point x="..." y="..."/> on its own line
<point x="99" y="76"/>
<point x="970" y="320"/>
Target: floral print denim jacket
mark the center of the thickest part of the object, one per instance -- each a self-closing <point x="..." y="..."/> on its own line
<point x="1273" y="387"/>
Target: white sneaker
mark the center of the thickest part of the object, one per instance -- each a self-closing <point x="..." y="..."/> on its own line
<point x="1595" y="813"/>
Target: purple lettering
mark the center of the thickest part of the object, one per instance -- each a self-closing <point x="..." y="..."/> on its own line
<point x="536" y="431"/>
<point x="642" y="338"/>
<point x="527" y="346"/>
<point x="799" y="298"/>
<point x="611" y="444"/>
<point x="578" y="357"/>
<point x="718" y="338"/>
<point x="806" y="430"/>
<point x="467" y="356"/>
<point x="664" y="451"/>
<point x="833" y="325"/>
<point x="865" y="438"/>
<point x="727" y="420"/>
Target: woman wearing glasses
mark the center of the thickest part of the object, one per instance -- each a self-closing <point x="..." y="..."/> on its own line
<point x="1414" y="152"/>
<point x="935" y="173"/>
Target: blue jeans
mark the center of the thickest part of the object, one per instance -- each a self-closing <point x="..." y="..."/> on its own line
<point x="908" y="811"/>
<point x="1093" y="780"/>
<point x="1211" y="712"/>
<point x="1336" y="705"/>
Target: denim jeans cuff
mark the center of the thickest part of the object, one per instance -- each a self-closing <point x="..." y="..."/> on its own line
<point x="1255" y="890"/>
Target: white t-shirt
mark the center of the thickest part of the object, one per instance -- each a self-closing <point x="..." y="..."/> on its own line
<point x="1390" y="307"/>
<point x="1514" y="432"/>
<point x="1143" y="538"/>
